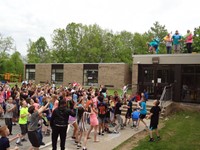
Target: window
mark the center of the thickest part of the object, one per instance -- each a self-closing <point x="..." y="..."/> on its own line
<point x="57" y="73"/>
<point x="30" y="72"/>
<point x="90" y="74"/>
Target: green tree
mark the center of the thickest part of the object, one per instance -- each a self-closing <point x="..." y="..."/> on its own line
<point x="15" y="63"/>
<point x="196" y="41"/>
<point x="140" y="43"/>
<point x="158" y="31"/>
<point x="6" y="45"/>
<point x="60" y="46"/>
<point x="38" y="52"/>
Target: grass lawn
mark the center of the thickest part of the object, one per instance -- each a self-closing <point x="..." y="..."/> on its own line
<point x="181" y="132"/>
<point x="111" y="91"/>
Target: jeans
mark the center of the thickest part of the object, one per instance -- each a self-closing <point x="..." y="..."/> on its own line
<point x="56" y="131"/>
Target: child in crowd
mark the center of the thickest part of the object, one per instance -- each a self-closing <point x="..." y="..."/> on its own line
<point x="112" y="109"/>
<point x="93" y="121"/>
<point x="107" y="116"/>
<point x="82" y="121"/>
<point x="23" y="120"/>
<point x="4" y="141"/>
<point x="119" y="119"/>
<point x="143" y="110"/>
<point x="135" y="117"/>
<point x="10" y="107"/>
<point x="102" y="109"/>
<point x="154" y="115"/>
<point x="129" y="111"/>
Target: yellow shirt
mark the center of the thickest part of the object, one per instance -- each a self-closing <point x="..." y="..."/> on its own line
<point x="23" y="111"/>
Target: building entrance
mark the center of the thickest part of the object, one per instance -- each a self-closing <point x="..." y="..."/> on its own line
<point x="154" y="78"/>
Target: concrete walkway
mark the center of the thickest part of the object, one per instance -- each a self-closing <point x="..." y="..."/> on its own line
<point x="107" y="142"/>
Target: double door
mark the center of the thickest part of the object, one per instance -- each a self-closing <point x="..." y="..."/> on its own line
<point x="154" y="78"/>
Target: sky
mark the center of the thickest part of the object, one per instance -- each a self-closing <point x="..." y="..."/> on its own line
<point x="31" y="19"/>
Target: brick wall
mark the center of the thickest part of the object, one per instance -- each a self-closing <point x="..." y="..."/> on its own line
<point x="73" y="72"/>
<point x="114" y="74"/>
<point x="42" y="73"/>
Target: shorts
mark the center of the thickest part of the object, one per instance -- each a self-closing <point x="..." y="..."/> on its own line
<point x="34" y="138"/>
<point x="23" y="128"/>
<point x="153" y="126"/>
<point x="102" y="119"/>
<point x="128" y="115"/>
<point x="107" y="120"/>
<point x="155" y="46"/>
<point x="71" y="120"/>
<point x="142" y="116"/>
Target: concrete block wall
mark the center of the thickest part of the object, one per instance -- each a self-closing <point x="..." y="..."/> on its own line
<point x="113" y="74"/>
<point x="42" y="73"/>
<point x="72" y="72"/>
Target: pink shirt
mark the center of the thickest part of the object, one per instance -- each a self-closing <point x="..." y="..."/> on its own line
<point x="189" y="38"/>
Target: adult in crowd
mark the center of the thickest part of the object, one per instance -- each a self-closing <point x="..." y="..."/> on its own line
<point x="189" y="40"/>
<point x="168" y="43"/>
<point x="176" y="38"/>
<point x="59" y="124"/>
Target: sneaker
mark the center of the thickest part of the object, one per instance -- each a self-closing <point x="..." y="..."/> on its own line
<point x="23" y="140"/>
<point x="42" y="143"/>
<point x="19" y="144"/>
<point x="84" y="148"/>
<point x="75" y="142"/>
<point x="78" y="146"/>
<point x="102" y="133"/>
<point x="116" y="132"/>
<point x="109" y="132"/>
<point x="151" y="140"/>
<point x="73" y="137"/>
<point x="158" y="138"/>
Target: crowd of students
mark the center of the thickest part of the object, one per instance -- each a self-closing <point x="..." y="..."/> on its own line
<point x="48" y="108"/>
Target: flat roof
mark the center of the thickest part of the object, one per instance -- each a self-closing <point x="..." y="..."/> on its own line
<point x="193" y="58"/>
<point x="70" y="63"/>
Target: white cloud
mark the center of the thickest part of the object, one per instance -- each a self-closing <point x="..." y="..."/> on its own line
<point x="28" y="19"/>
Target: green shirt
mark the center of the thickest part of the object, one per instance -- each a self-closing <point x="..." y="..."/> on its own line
<point x="23" y="111"/>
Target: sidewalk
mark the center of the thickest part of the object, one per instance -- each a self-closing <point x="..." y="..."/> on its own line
<point x="107" y="142"/>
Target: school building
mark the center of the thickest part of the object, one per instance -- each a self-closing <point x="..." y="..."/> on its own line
<point x="181" y="71"/>
<point x="114" y="75"/>
<point x="150" y="72"/>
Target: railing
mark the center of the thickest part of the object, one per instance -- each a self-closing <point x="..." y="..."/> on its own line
<point x="167" y="95"/>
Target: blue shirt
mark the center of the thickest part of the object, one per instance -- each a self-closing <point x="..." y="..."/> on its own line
<point x="135" y="115"/>
<point x="176" y="38"/>
<point x="143" y="111"/>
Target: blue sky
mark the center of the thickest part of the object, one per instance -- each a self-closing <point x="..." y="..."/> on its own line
<point x="30" y="19"/>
